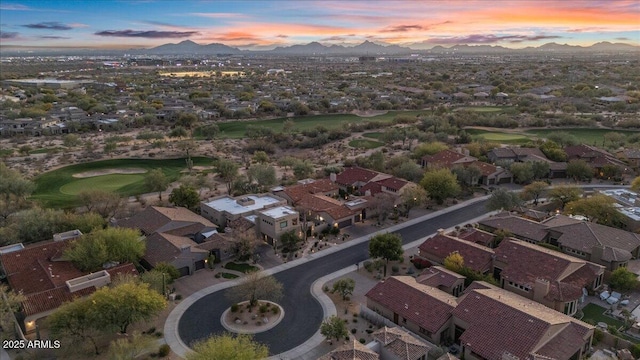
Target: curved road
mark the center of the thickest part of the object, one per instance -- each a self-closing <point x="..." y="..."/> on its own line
<point x="303" y="313"/>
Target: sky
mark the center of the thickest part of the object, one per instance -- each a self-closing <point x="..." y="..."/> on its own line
<point x="264" y="24"/>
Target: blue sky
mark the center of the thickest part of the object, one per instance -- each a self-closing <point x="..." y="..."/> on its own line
<point x="267" y="24"/>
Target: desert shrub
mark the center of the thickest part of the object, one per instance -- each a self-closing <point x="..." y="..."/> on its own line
<point x="234" y="308"/>
<point x="164" y="350"/>
<point x="362" y="341"/>
<point x="354" y="330"/>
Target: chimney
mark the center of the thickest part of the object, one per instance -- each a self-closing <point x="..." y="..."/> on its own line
<point x="540" y="289"/>
<point x="332" y="177"/>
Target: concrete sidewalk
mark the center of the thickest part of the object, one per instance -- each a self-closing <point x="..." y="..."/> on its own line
<point x="171" y="325"/>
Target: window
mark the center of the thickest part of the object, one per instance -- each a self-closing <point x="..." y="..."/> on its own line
<point x="283" y="224"/>
<point x="404" y="320"/>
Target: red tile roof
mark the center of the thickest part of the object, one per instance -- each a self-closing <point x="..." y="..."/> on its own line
<point x="372" y="187"/>
<point x="321" y="203"/>
<point x="476" y="257"/>
<point x="447" y="158"/>
<point x="353" y="175"/>
<point x="500" y="322"/>
<point x="401" y="344"/>
<point x="39" y="273"/>
<point x="393" y="183"/>
<point x="322" y="186"/>
<point x="438" y="276"/>
<point x="424" y="305"/>
<point x="477" y="236"/>
<point x="524" y="263"/>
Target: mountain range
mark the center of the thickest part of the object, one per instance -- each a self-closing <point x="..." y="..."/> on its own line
<point x="366" y="48"/>
<point x="371" y="48"/>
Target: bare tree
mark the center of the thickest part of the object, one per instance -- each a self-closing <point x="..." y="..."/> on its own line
<point x="256" y="286"/>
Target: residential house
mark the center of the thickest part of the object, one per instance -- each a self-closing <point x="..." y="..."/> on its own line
<point x="631" y="157"/>
<point x="449" y="159"/>
<point x="395" y="343"/>
<point x="295" y="193"/>
<point x="487" y="322"/>
<point x="47" y="280"/>
<point x="224" y="209"/>
<point x="176" y="236"/>
<point x="594" y="156"/>
<point x="546" y="276"/>
<point x="422" y="309"/>
<point x="477" y="236"/>
<point x="596" y="243"/>
<point x="517" y="227"/>
<point x="273" y="222"/>
<point x="437" y="248"/>
<point x="350" y="351"/>
<point x="443" y="279"/>
<point x="494" y="324"/>
<point x="324" y="211"/>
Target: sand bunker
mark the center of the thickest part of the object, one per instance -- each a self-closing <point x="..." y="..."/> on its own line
<point x="87" y="174"/>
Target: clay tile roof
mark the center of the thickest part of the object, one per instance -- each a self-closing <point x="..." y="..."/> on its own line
<point x="321" y="203"/>
<point x="564" y="344"/>
<point x="477" y="236"/>
<point x="372" y="187"/>
<point x="353" y="175"/>
<point x="354" y="350"/>
<point x="401" y="344"/>
<point x="297" y="192"/>
<point x="476" y="257"/>
<point x="501" y="322"/>
<point x="393" y="183"/>
<point x="437" y="276"/>
<point x="163" y="247"/>
<point x="521" y="228"/>
<point x="447" y="158"/>
<point x="424" y="305"/>
<point x="154" y="218"/>
<point x="37" y="268"/>
<point x="51" y="299"/>
<point x="585" y="235"/>
<point x="216" y="241"/>
<point x="485" y="168"/>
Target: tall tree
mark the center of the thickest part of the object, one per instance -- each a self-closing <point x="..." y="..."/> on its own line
<point x="156" y="181"/>
<point x="598" y="208"/>
<point x="522" y="172"/>
<point x="228" y="347"/>
<point x="412" y="197"/>
<point x="264" y="175"/>
<point x="228" y="172"/>
<point x="76" y="322"/>
<point x="126" y="304"/>
<point x="381" y="206"/>
<point x="256" y="286"/>
<point x="10" y="302"/>
<point x="185" y="196"/>
<point x="565" y="194"/>
<point x="540" y="169"/>
<point x="503" y="199"/>
<point x="130" y="347"/>
<point x="93" y="250"/>
<point x="302" y="169"/>
<point x="344" y="287"/>
<point x="334" y="328"/>
<point x="579" y="170"/>
<point x="386" y="246"/>
<point x="534" y="190"/>
<point x="440" y="184"/>
<point x="104" y="203"/>
<point x="290" y="240"/>
<point x="623" y="280"/>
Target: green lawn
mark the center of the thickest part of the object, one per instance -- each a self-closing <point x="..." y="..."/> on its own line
<point x="236" y="129"/>
<point x="373" y="135"/>
<point x="365" y="144"/>
<point x="497" y="136"/>
<point x="583" y="135"/>
<point x="596" y="313"/>
<point x="242" y="267"/>
<point x="487" y="109"/>
<point x="586" y="136"/>
<point x="228" y="276"/>
<point x="59" y="188"/>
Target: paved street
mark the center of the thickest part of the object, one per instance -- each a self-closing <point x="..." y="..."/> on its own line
<point x="303" y="313"/>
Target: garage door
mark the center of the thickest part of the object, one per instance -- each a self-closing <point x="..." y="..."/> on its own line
<point x="184" y="271"/>
<point x="345" y="223"/>
<point x="199" y="264"/>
